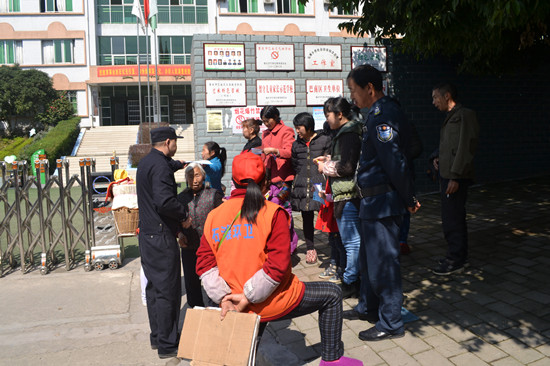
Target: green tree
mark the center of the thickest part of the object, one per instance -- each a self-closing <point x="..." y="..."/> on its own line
<point x="58" y="110"/>
<point x="484" y="35"/>
<point x="24" y="94"/>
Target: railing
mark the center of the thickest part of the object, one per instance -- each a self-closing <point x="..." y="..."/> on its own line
<point x="46" y="220"/>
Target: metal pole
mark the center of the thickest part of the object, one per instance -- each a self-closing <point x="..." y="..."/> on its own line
<point x="157" y="76"/>
<point x="139" y="80"/>
<point x="148" y="86"/>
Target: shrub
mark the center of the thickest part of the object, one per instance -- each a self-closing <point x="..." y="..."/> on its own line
<point x="59" y="109"/>
<point x="59" y="141"/>
<point x="14" y="146"/>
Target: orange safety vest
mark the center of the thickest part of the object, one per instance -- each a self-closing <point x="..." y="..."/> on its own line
<point x="242" y="254"/>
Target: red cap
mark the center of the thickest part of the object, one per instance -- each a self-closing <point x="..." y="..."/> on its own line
<point x="247" y="166"/>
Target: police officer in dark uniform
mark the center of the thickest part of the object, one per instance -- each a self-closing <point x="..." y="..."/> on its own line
<point x="160" y="215"/>
<point x="387" y="191"/>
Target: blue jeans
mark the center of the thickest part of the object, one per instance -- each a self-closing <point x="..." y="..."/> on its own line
<point x="349" y="227"/>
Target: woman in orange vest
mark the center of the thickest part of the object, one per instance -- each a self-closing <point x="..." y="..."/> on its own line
<point x="244" y="262"/>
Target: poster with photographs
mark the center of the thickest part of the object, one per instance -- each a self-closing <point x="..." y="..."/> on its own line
<point x="369" y="55"/>
<point x="225" y="92"/>
<point x="318" y="91"/>
<point x="223" y="56"/>
<point x="274" y="57"/>
<point x="326" y="57"/>
<point x="281" y="92"/>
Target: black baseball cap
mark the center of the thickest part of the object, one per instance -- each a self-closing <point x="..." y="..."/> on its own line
<point x="162" y="133"/>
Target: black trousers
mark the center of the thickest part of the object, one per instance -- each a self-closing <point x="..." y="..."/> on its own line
<point x="309" y="228"/>
<point x="192" y="280"/>
<point x="160" y="259"/>
<point x="453" y="218"/>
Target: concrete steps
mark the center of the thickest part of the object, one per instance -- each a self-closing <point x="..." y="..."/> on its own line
<point x="102" y="142"/>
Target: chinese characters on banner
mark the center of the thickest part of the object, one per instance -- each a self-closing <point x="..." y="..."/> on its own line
<point x="322" y="57"/>
<point x="223" y="57"/>
<point x="239" y="114"/>
<point x="318" y="91"/>
<point x="225" y="92"/>
<point x="369" y="55"/>
<point x="281" y="92"/>
<point x="277" y="57"/>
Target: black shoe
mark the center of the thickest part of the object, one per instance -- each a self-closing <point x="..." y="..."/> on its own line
<point x="349" y="290"/>
<point x="447" y="267"/>
<point x="374" y="334"/>
<point x="354" y="315"/>
<point x="168" y="355"/>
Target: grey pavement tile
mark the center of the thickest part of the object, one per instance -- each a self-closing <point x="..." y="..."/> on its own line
<point x="412" y="344"/>
<point x="397" y="356"/>
<point x="446" y="346"/>
<point x="463" y="318"/>
<point x="489" y="333"/>
<point x="432" y="358"/>
<point x="544" y="349"/>
<point x="350" y="339"/>
<point x="504" y="309"/>
<point x="520" y="351"/>
<point x="525" y="262"/>
<point x="507" y="297"/>
<point x="286" y="336"/>
<point x="541" y="362"/>
<point x="538" y="296"/>
<point x="365" y="354"/>
<point x="485" y="351"/>
<point x="470" y="307"/>
<point x="454" y="331"/>
<point x="498" y="321"/>
<point x="526" y="335"/>
<point x="467" y="359"/>
<point x="303" y="351"/>
<point x="313" y="337"/>
<point x="306" y="322"/>
<point x="537" y="323"/>
<point x="421" y="330"/>
<point x="524" y="271"/>
<point x="508" y="361"/>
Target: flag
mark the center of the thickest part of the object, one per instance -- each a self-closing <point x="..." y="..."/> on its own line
<point x="136" y="10"/>
<point x="151" y="10"/>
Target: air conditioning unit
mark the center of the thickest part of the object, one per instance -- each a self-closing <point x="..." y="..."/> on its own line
<point x="269" y="2"/>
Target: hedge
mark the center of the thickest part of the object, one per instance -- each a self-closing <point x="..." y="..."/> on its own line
<point x="14" y="147"/>
<point x="59" y="141"/>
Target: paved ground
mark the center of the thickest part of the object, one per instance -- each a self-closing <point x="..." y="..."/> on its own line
<point x="497" y="313"/>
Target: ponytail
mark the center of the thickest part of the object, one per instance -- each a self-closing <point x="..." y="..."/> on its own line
<point x="219" y="152"/>
<point x="253" y="202"/>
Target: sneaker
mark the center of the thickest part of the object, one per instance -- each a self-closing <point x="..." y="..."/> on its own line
<point x="405" y="248"/>
<point x="335" y="279"/>
<point x="342" y="361"/>
<point x="328" y="272"/>
<point x="444" y="259"/>
<point x="447" y="267"/>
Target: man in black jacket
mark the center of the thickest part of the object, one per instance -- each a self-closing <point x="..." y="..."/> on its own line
<point x="160" y="215"/>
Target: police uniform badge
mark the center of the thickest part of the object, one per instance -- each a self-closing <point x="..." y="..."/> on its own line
<point x="377" y="110"/>
<point x="384" y="133"/>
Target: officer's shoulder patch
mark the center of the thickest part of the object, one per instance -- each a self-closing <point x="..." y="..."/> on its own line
<point x="384" y="132"/>
<point x="377" y="110"/>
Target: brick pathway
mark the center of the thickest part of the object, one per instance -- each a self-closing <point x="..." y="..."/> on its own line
<point x="496" y="313"/>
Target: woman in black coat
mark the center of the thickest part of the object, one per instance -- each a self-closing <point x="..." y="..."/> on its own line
<point x="308" y="146"/>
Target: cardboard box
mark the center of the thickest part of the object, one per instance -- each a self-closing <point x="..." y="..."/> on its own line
<point x="207" y="341"/>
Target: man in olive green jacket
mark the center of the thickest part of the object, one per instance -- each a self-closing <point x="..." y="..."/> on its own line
<point x="454" y="160"/>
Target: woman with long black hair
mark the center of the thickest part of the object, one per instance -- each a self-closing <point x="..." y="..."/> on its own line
<point x="216" y="169"/>
<point x="244" y="262"/>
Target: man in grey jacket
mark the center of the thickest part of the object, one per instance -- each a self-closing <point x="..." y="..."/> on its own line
<point x="454" y="160"/>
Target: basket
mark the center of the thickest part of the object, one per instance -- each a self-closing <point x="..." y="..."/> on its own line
<point x="126" y="220"/>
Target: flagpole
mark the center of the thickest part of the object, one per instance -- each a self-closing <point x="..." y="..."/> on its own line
<point x="157" y="75"/>
<point x="139" y="82"/>
<point x="148" y="86"/>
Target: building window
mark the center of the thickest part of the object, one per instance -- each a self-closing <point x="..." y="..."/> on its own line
<point x="71" y="96"/>
<point x="169" y="11"/>
<point x="122" y="50"/>
<point x="58" y="51"/>
<point x="10" y="6"/>
<point x="340" y="11"/>
<point x="47" y="6"/>
<point x="11" y="52"/>
<point x="175" y="50"/>
<point x="243" y="6"/>
<point x="290" y="7"/>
